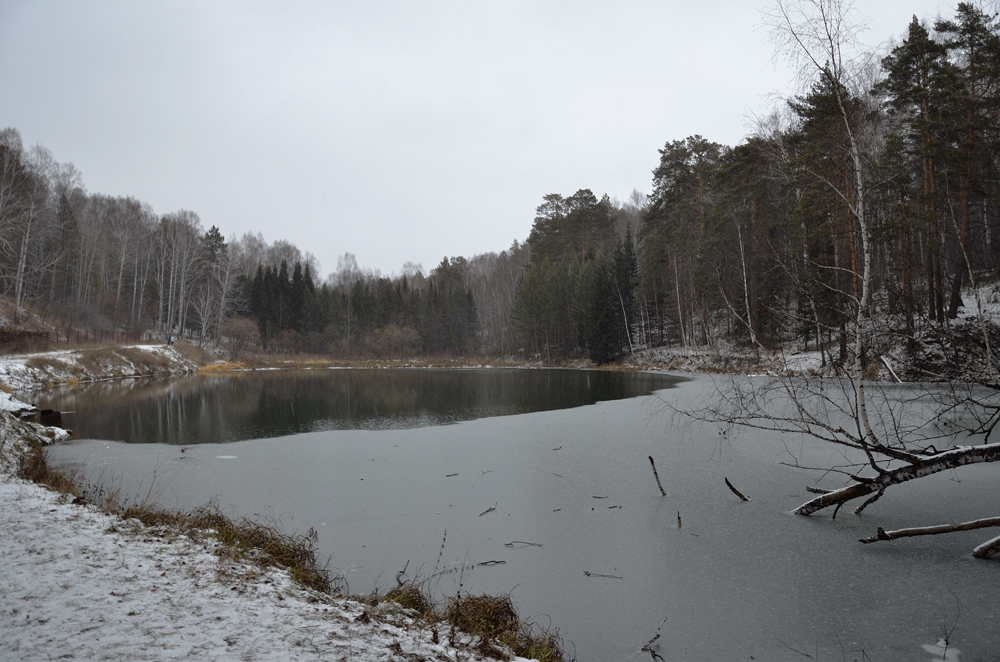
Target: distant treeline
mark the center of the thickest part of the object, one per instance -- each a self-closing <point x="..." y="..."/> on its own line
<point x="757" y="243"/>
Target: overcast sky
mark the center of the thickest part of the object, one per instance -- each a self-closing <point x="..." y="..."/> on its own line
<point x="398" y="131"/>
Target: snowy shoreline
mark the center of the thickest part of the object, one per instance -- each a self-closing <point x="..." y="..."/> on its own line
<point x="76" y="582"/>
<point x="31" y="372"/>
<point x="82" y="584"/>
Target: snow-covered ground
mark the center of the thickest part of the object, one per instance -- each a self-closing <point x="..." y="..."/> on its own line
<point x="78" y="583"/>
<point x="28" y="372"/>
<point x="729" y="358"/>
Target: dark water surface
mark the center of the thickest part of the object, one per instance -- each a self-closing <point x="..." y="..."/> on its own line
<point x="213" y="409"/>
<point x="735" y="579"/>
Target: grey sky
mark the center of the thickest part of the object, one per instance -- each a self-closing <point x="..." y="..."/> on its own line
<point x="398" y="131"/>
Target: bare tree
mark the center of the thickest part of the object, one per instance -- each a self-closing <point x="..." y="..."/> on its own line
<point x="239" y="335"/>
<point x="493" y="280"/>
<point x="179" y="240"/>
<point x="344" y="279"/>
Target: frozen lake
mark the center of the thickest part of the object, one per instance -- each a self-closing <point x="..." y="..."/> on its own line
<point x="735" y="579"/>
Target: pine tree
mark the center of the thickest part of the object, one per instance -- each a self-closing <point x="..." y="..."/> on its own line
<point x="974" y="40"/>
<point x="922" y="84"/>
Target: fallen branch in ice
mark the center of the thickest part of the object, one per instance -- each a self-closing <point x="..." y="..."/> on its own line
<point x="735" y="491"/>
<point x="872" y="499"/>
<point x="521" y="542"/>
<point x="402" y="573"/>
<point x="817" y="490"/>
<point x="987" y="549"/>
<point x="657" y="476"/>
<point x="597" y="574"/>
<point x="490" y="509"/>
<point x="984" y="551"/>
<point x="648" y="646"/>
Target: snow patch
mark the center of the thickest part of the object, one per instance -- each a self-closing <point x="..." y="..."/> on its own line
<point x="80" y="583"/>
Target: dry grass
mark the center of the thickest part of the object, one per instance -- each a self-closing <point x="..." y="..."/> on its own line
<point x="410" y="595"/>
<point x="492" y="620"/>
<point x="261" y="543"/>
<point x="495" y="621"/>
<point x="32" y="466"/>
<point x="213" y="368"/>
<point x="193" y="353"/>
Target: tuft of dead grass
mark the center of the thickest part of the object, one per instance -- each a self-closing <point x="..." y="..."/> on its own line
<point x="410" y="595"/>
<point x="492" y="620"/>
<point x="261" y="543"/>
<point x="495" y="621"/>
<point x="32" y="466"/>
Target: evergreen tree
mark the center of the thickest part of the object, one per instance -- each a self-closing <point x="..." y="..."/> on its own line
<point x="974" y="40"/>
<point x="921" y="85"/>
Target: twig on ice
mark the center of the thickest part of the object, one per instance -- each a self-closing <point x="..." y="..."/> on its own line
<point x="735" y="491"/>
<point x="657" y="476"/>
<point x="796" y="650"/>
<point x="649" y="644"/>
<point x="489" y="510"/>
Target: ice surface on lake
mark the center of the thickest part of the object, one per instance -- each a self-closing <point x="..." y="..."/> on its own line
<point x="737" y="579"/>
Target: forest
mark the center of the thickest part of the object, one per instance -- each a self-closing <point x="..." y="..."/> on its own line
<point x="758" y="244"/>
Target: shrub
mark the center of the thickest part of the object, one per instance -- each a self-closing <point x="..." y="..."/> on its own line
<point x="22" y="341"/>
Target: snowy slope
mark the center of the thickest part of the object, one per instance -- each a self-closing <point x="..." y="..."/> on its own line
<point x="77" y="583"/>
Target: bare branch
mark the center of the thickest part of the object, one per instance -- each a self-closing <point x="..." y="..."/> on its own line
<point x="735" y="491"/>
<point x="984" y="551"/>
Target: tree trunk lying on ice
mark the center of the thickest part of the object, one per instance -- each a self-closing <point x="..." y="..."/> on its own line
<point x="950" y="459"/>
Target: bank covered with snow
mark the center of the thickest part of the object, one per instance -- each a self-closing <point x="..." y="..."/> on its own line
<point x="31" y="372"/>
<point x="78" y="583"/>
